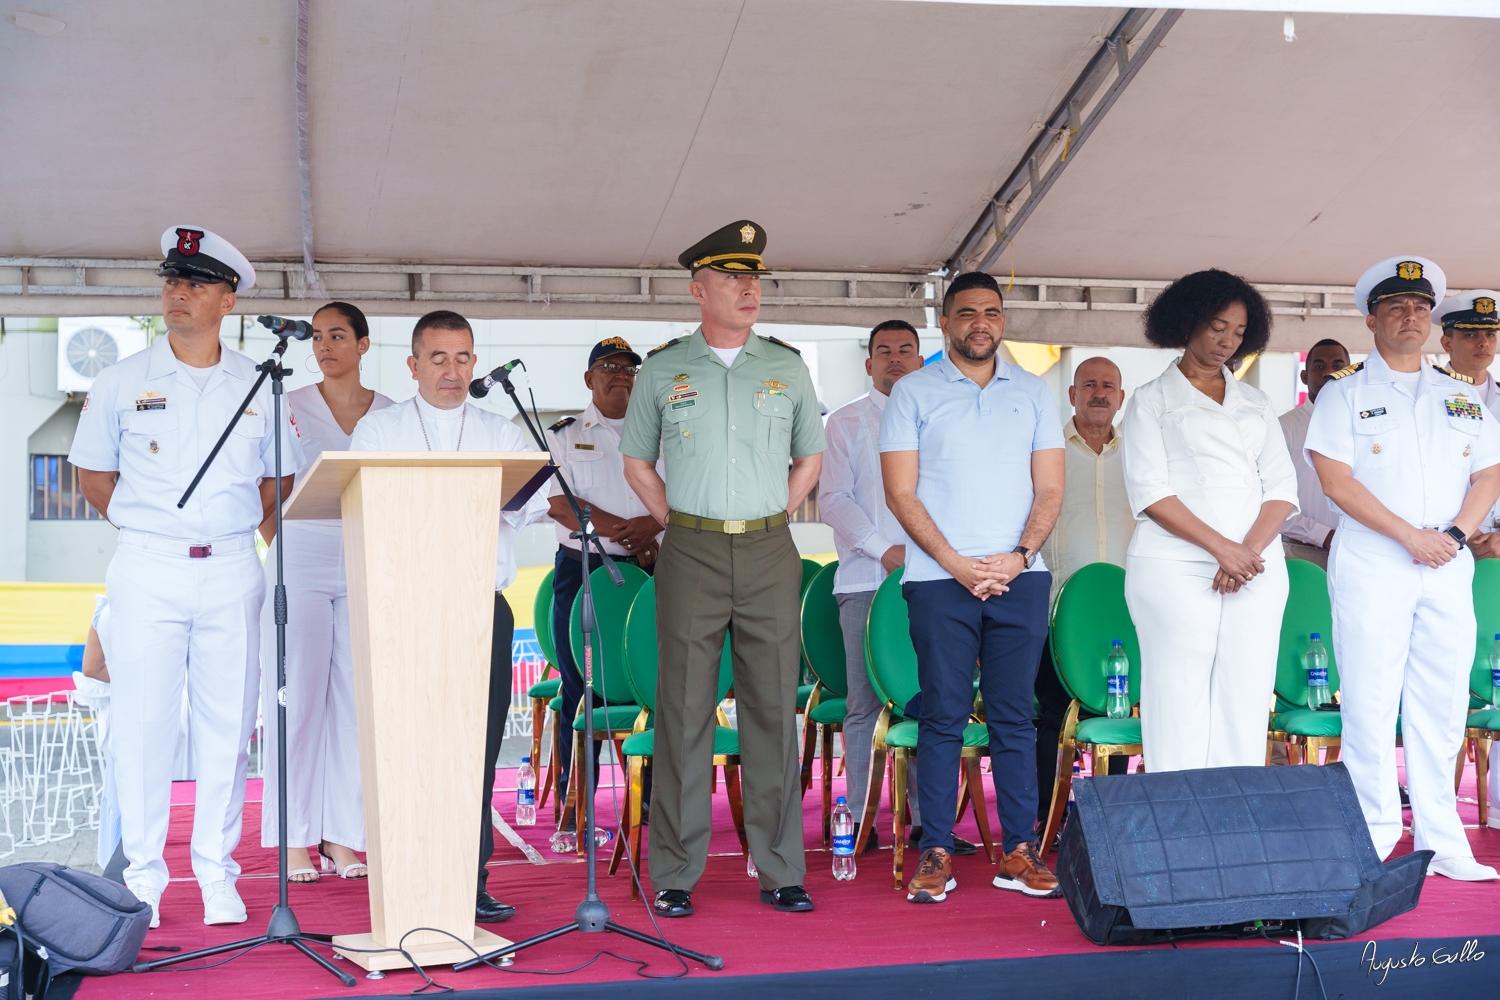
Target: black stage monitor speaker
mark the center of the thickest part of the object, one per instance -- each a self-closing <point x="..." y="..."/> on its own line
<point x="1151" y="857"/>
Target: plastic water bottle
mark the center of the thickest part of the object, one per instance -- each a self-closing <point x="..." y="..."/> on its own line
<point x="1317" y="673"/>
<point x="1495" y="673"/>
<point x="843" y="841"/>
<point x="1118" y="704"/>
<point x="525" y="794"/>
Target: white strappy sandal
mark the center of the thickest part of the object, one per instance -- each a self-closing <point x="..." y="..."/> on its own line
<point x="352" y="872"/>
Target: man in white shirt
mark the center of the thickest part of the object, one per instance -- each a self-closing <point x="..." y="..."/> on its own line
<point x="1095" y="526"/>
<point x="439" y="418"/>
<point x="185" y="585"/>
<point x="871" y="544"/>
<point x="587" y="447"/>
<point x="1308" y="534"/>
<point x="1470" y="322"/>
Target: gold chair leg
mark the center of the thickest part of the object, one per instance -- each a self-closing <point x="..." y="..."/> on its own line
<point x="1331" y="752"/>
<point x="974" y="789"/>
<point x="827" y="741"/>
<point x="871" y="808"/>
<point x="898" y="810"/>
<point x="637" y="803"/>
<point x="1067" y="749"/>
<point x="618" y="851"/>
<point x="1482" y="775"/>
<point x="736" y="805"/>
<point x="809" y="749"/>
<point x="538" y="723"/>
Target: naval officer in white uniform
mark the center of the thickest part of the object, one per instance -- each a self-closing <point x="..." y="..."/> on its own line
<point x="587" y="448"/>
<point x="185" y="586"/>
<point x="1411" y="459"/>
<point x="324" y="804"/>
<point x="439" y="418"/>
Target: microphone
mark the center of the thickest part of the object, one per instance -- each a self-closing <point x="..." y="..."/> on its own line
<point x="480" y="387"/>
<point x="297" y="329"/>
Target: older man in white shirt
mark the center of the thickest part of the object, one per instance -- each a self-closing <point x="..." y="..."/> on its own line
<point x="870" y="541"/>
<point x="439" y="418"/>
<point x="1308" y="533"/>
<point x="1095" y="526"/>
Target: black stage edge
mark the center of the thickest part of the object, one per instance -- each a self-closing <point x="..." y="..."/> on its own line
<point x="1240" y="973"/>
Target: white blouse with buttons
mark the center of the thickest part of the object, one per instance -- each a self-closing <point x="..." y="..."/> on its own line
<point x="1223" y="461"/>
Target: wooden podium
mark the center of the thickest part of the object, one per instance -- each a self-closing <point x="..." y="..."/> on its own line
<point x="420" y="533"/>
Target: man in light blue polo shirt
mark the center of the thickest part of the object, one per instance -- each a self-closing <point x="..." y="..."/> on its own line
<point x="972" y="458"/>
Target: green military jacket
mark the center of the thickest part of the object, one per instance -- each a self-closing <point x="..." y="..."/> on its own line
<point x="728" y="434"/>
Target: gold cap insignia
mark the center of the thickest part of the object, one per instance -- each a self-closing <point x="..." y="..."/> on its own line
<point x="1484" y="305"/>
<point x="619" y="342"/>
<point x="747" y="233"/>
<point x="1408" y="270"/>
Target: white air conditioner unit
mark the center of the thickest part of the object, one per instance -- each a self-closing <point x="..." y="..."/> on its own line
<point x="86" y="345"/>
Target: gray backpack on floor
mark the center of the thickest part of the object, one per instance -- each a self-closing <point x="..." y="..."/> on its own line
<point x="87" y="924"/>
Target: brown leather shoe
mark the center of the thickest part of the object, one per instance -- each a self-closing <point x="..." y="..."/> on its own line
<point x="1022" y="870"/>
<point x="934" y="878"/>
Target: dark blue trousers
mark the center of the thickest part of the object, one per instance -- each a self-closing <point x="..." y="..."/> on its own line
<point x="567" y="581"/>
<point x="952" y="630"/>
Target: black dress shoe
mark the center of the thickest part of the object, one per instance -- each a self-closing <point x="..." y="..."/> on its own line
<point x="789" y="899"/>
<point x="872" y="842"/>
<point x="489" y="910"/>
<point x="673" y="903"/>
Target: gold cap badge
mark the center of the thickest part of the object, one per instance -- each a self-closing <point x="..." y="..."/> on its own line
<point x="1484" y="305"/>
<point x="1409" y="270"/>
<point x="747" y="233"/>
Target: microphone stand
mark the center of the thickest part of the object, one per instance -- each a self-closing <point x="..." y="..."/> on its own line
<point x="283" y="927"/>
<point x="592" y="915"/>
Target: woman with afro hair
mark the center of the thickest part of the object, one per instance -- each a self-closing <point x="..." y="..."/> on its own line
<point x="1210" y="482"/>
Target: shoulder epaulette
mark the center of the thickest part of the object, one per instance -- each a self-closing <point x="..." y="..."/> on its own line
<point x="781" y="343"/>
<point x="564" y="422"/>
<point x="1454" y="375"/>
<point x="1342" y="372"/>
<point x="663" y="347"/>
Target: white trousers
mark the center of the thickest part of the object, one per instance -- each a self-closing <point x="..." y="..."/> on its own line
<point x="322" y="740"/>
<point x="1208" y="661"/>
<point x="1403" y="636"/>
<point x="193" y="624"/>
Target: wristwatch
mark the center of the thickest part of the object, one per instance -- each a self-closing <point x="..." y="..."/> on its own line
<point x="1458" y="535"/>
<point x="1028" y="555"/>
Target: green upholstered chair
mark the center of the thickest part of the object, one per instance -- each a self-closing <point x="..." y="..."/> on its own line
<point x="1087" y="617"/>
<point x="805" y="678"/>
<point x="823" y="651"/>
<point x="612" y="720"/>
<point x="1305" y="731"/>
<point x="544" y="690"/>
<point x="893" y="673"/>
<point x="1483" y="726"/>
<point x="640" y="745"/>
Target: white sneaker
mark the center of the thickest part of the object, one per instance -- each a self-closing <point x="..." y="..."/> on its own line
<point x="222" y="905"/>
<point x="146" y="894"/>
<point x="1462" y="869"/>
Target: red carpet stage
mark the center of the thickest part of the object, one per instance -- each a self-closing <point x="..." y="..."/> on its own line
<point x="864" y="936"/>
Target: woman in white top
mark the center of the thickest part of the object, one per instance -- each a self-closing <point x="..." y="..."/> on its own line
<point x="324" y="805"/>
<point x="1210" y="483"/>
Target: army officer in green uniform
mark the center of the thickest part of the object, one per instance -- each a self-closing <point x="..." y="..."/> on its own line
<point x="737" y="417"/>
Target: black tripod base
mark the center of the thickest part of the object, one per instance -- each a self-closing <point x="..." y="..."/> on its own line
<point x="593" y="918"/>
<point x="281" y="930"/>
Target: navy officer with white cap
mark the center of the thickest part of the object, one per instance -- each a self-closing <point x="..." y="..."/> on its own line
<point x="185" y="585"/>
<point x="1410" y="458"/>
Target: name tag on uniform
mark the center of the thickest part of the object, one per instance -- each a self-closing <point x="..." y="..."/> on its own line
<point x="150" y="401"/>
<point x="1461" y="406"/>
<point x="1379" y="411"/>
<point x="686" y="402"/>
<point x="584" y="447"/>
<point x="678" y="396"/>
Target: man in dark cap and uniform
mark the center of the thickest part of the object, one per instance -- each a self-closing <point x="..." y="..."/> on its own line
<point x="736" y="415"/>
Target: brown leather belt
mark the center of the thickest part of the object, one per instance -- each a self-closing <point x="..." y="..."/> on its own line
<point x="727" y="527"/>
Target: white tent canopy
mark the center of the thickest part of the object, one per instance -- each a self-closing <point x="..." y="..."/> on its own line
<point x="572" y="149"/>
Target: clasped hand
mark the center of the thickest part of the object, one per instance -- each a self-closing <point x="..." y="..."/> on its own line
<point x="1430" y="547"/>
<point x="637" y="536"/>
<point x="1238" y="565"/>
<point x="987" y="576"/>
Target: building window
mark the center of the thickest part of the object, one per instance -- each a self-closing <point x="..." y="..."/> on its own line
<point x="55" y="494"/>
<point x="808" y="511"/>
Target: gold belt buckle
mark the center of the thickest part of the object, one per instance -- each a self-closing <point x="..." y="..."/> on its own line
<point x="734" y="527"/>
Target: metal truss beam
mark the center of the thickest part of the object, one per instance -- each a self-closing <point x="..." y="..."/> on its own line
<point x="35" y="278"/>
<point x="1117" y="295"/>
<point x="1116" y="63"/>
